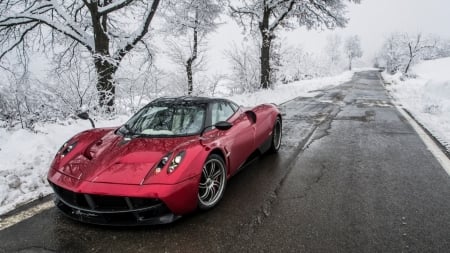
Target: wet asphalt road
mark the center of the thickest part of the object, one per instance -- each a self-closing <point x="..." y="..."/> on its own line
<point x="352" y="176"/>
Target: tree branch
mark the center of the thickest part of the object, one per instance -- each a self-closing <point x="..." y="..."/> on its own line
<point x="15" y="44"/>
<point x="151" y="13"/>
<point x="282" y="16"/>
<point x="328" y="13"/>
<point x="35" y="12"/>
<point x="119" y="4"/>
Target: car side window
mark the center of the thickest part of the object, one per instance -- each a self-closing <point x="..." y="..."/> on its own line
<point x="221" y="111"/>
<point x="234" y="106"/>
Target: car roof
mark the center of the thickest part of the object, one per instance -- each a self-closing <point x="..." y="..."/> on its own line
<point x="188" y="100"/>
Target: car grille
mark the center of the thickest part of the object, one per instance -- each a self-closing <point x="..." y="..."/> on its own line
<point x="103" y="209"/>
<point x="102" y="202"/>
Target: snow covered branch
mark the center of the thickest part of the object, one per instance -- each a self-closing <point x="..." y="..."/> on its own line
<point x="116" y="5"/>
<point x="140" y="33"/>
<point x="285" y="11"/>
<point x="47" y="13"/>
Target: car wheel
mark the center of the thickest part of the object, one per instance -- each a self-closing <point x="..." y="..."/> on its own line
<point x="276" y="136"/>
<point x="212" y="182"/>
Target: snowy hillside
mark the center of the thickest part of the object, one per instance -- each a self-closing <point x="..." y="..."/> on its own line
<point x="427" y="96"/>
<point x="26" y="155"/>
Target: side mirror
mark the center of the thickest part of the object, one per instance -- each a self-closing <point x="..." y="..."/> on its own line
<point x="223" y="125"/>
<point x="85" y="116"/>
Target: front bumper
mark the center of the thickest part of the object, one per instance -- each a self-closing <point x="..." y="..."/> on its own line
<point x="123" y="205"/>
<point x="114" y="211"/>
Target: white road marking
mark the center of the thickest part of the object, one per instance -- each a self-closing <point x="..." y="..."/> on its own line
<point x="26" y="214"/>
<point x="431" y="145"/>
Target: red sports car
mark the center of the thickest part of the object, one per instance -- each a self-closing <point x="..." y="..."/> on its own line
<point x="172" y="157"/>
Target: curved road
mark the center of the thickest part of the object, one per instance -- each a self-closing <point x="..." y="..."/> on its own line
<point x="352" y="176"/>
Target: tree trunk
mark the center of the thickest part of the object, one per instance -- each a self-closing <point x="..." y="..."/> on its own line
<point x="407" y="66"/>
<point x="193" y="57"/>
<point x="105" y="83"/>
<point x="265" y="62"/>
<point x="411" y="56"/>
<point x="266" y="40"/>
<point x="104" y="64"/>
<point x="189" y="76"/>
<point x="349" y="63"/>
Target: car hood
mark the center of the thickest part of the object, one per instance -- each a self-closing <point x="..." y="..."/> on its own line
<point x="115" y="159"/>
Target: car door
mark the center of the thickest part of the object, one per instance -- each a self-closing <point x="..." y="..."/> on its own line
<point x="264" y="125"/>
<point x="239" y="140"/>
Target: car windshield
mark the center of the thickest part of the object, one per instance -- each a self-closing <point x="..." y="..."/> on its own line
<point x="167" y="120"/>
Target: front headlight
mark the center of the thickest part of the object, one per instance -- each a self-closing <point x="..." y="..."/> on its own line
<point x="66" y="148"/>
<point x="162" y="163"/>
<point x="175" y="162"/>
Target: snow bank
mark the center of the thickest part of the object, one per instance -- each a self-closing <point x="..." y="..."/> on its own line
<point x="285" y="92"/>
<point x="427" y="96"/>
<point x="433" y="70"/>
<point x="26" y="156"/>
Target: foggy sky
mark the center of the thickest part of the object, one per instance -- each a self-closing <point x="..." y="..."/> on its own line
<point x="374" y="20"/>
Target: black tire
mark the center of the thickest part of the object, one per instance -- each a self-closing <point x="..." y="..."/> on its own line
<point x="212" y="182"/>
<point x="277" y="133"/>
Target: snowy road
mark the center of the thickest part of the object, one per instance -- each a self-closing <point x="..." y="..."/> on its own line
<point x="352" y="176"/>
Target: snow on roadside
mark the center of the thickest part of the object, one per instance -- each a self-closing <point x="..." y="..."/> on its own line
<point x="286" y="92"/>
<point x="25" y="156"/>
<point x="427" y="96"/>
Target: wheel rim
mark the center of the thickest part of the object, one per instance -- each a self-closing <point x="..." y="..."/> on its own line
<point x="212" y="182"/>
<point x="277" y="135"/>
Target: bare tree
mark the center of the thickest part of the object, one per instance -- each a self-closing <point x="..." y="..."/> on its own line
<point x="98" y="26"/>
<point x="417" y="46"/>
<point x="392" y="52"/>
<point x="193" y="20"/>
<point x="189" y="63"/>
<point x="214" y="81"/>
<point x="138" y="89"/>
<point x="291" y="63"/>
<point x="270" y="15"/>
<point x="23" y="99"/>
<point x="244" y="66"/>
<point x="71" y="83"/>
<point x="352" y="49"/>
<point x="332" y="48"/>
<point x="401" y="50"/>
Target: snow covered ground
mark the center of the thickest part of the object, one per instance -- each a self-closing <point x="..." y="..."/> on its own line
<point x="25" y="156"/>
<point x="427" y="96"/>
<point x="285" y="92"/>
